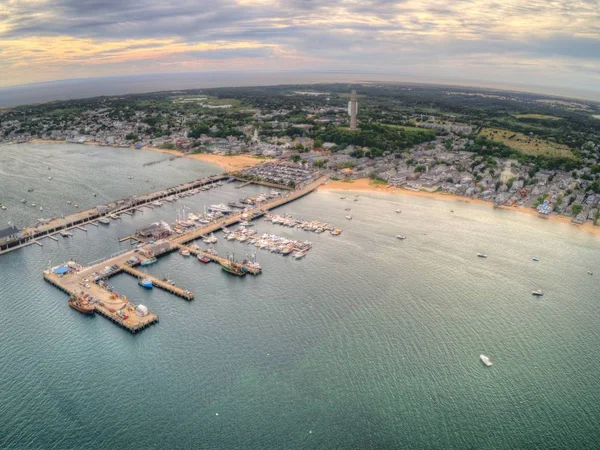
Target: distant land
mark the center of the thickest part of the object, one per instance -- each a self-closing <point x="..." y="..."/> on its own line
<point x="135" y="84"/>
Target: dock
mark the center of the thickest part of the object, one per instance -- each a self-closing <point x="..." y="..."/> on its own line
<point x="218" y="259"/>
<point x="175" y="290"/>
<point x="107" y="305"/>
<point x="90" y="216"/>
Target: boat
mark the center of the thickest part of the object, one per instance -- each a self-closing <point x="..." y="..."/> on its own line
<point x="82" y="304"/>
<point x="221" y="208"/>
<point x="536" y="259"/>
<point x="76" y="206"/>
<point x="68" y="202"/>
<point x="115" y="216"/>
<point x="204" y="259"/>
<point x="401" y="237"/>
<point x="482" y="255"/>
<point x="23" y="201"/>
<point x="3" y="207"/>
<point x="33" y="204"/>
<point x="336" y="232"/>
<point x="184" y="252"/>
<point x="343" y="198"/>
<point x="145" y="282"/>
<point x="398" y="211"/>
<point x="233" y="268"/>
<point x="49" y="178"/>
<point x="41" y="208"/>
<point x="486" y="360"/>
<point x="104" y="220"/>
<point x="300" y="254"/>
<point x="537" y="292"/>
<point x="349" y="217"/>
<point x="147" y="262"/>
<point x="157" y="203"/>
<point x="348" y="209"/>
<point x="590" y="273"/>
<point x="212" y="239"/>
<point x="65" y="234"/>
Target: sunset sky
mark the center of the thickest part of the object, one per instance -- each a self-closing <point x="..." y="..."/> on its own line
<point x="525" y="42"/>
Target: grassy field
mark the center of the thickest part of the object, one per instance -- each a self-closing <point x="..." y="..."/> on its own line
<point x="407" y="128"/>
<point x="536" y="116"/>
<point x="528" y="145"/>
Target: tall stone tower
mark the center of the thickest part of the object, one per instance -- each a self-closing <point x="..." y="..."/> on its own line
<point x="352" y="110"/>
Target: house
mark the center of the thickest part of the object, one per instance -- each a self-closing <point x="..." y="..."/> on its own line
<point x="10" y="233"/>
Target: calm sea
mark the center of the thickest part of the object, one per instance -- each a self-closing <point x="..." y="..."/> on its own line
<point x="369" y="342"/>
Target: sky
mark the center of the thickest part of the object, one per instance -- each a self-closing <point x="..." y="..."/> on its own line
<point x="547" y="42"/>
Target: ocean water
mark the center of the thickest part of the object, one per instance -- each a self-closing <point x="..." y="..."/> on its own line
<point x="369" y="342"/>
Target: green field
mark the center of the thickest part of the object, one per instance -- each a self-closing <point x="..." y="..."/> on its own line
<point x="536" y="116"/>
<point x="528" y="145"/>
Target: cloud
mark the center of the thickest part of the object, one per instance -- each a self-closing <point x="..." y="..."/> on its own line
<point x="484" y="36"/>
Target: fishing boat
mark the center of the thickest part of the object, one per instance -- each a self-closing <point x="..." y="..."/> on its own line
<point x="145" y="283"/>
<point x="400" y="236"/>
<point x="104" y="221"/>
<point x="82" y="304"/>
<point x="482" y="255"/>
<point x="486" y="360"/>
<point x="204" y="259"/>
<point x="184" y="252"/>
<point x="149" y="261"/>
<point x="233" y="268"/>
<point x="537" y="292"/>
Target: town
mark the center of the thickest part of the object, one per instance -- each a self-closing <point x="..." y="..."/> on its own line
<point x="509" y="149"/>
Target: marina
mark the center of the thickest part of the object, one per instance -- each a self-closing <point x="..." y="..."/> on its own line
<point x="75" y="279"/>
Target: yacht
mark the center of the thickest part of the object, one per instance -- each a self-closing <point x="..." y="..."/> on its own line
<point x="486" y="360"/>
<point x="212" y="239"/>
<point x="482" y="255"/>
<point x="184" y="252"/>
<point x="104" y="220"/>
<point x="157" y="203"/>
<point x="537" y="292"/>
<point x="221" y="208"/>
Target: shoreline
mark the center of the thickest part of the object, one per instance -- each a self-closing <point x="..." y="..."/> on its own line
<point x="230" y="163"/>
<point x="363" y="185"/>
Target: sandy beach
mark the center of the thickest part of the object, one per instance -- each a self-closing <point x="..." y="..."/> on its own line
<point x="228" y="163"/>
<point x="364" y="185"/>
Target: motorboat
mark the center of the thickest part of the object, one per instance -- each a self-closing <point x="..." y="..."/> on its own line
<point x="536" y="259"/>
<point x="537" y="292"/>
<point x="400" y="236"/>
<point x="145" y="283"/>
<point x="349" y="217"/>
<point x="482" y="255"/>
<point x="486" y="360"/>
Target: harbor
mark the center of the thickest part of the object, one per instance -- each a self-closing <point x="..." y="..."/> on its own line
<point x="83" y="282"/>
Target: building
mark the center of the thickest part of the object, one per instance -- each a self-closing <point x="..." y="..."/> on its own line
<point x="10" y="233"/>
<point x="352" y="110"/>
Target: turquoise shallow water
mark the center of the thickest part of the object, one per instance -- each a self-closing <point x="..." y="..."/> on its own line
<point x="367" y="343"/>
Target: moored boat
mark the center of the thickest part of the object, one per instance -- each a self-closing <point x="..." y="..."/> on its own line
<point x="145" y="282"/>
<point x="149" y="261"/>
<point x="82" y="304"/>
<point x="204" y="259"/>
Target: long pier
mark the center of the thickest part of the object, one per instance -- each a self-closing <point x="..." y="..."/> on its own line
<point x="175" y="290"/>
<point x="90" y="216"/>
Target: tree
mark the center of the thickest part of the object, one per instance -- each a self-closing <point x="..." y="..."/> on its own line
<point x="132" y="137"/>
<point x="577" y="209"/>
<point x="420" y="168"/>
<point x="296" y="158"/>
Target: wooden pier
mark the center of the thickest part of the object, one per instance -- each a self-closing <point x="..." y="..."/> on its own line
<point x="175" y="290"/>
<point x="218" y="259"/>
<point x="107" y="304"/>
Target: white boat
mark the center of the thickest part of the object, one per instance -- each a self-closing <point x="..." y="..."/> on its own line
<point x="49" y="178"/>
<point x="349" y="217"/>
<point x="184" y="252"/>
<point x="536" y="259"/>
<point x="486" y="360"/>
<point x="3" y="207"/>
<point x="221" y="208"/>
<point x="482" y="255"/>
<point x="23" y="201"/>
<point x="65" y="234"/>
<point x="212" y="239"/>
<point x="115" y="216"/>
<point x="590" y="273"/>
<point x="401" y="237"/>
<point x="157" y="203"/>
<point x="537" y="292"/>
<point x="33" y="204"/>
<point x="41" y="208"/>
<point x="398" y="211"/>
<point x="104" y="221"/>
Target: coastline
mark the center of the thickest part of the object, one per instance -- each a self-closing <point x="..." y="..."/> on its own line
<point x="228" y="163"/>
<point x="363" y="185"/>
